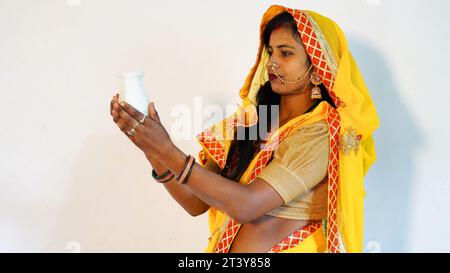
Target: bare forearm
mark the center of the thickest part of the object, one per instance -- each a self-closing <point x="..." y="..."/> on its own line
<point x="211" y="188"/>
<point x="183" y="195"/>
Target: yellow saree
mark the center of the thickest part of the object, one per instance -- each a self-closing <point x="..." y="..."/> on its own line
<point x="350" y="125"/>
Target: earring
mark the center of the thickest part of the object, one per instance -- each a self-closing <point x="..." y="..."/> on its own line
<point x="316" y="80"/>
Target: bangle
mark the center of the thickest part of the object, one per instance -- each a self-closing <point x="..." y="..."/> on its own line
<point x="186" y="161"/>
<point x="186" y="171"/>
<point x="164" y="177"/>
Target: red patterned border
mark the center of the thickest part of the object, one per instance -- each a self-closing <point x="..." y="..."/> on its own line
<point x="214" y="147"/>
<point x="296" y="238"/>
<point x="290" y="241"/>
<point x="333" y="121"/>
<point x="315" y="52"/>
<point x="317" y="56"/>
<point x="334" y="126"/>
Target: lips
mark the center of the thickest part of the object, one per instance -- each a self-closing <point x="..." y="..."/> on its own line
<point x="272" y="77"/>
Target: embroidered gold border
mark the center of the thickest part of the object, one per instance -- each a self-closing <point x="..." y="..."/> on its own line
<point x="329" y="56"/>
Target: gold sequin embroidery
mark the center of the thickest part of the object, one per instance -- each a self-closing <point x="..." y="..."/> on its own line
<point x="349" y="141"/>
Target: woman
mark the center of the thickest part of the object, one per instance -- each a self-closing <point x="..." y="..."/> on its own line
<point x="298" y="188"/>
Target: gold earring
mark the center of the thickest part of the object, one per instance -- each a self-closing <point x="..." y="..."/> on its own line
<point x="315" y="92"/>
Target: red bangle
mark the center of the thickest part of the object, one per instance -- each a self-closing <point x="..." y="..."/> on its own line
<point x="186" y="171"/>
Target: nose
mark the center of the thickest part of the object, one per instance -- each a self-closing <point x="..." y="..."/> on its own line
<point x="271" y="65"/>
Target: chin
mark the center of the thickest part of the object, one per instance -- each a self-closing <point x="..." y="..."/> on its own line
<point x="278" y="89"/>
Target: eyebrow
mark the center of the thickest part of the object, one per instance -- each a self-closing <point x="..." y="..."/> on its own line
<point x="280" y="46"/>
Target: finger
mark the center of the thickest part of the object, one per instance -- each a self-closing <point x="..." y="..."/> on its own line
<point x="123" y="119"/>
<point x="153" y="113"/>
<point x="133" y="112"/>
<point x="115" y="99"/>
<point x="116" y="116"/>
<point x="115" y="108"/>
<point x="126" y="121"/>
<point x="132" y="137"/>
<point x="111" y="106"/>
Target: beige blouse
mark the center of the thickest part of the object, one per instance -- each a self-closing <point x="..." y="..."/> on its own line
<point x="298" y="172"/>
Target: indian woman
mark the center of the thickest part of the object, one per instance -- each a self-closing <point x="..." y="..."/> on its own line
<point x="297" y="187"/>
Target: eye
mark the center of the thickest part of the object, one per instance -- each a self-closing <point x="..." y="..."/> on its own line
<point x="284" y="53"/>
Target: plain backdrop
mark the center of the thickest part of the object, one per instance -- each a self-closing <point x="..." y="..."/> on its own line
<point x="70" y="181"/>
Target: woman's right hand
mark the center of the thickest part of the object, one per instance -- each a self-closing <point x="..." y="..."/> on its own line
<point x="153" y="161"/>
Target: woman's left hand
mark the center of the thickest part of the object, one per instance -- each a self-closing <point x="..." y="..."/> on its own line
<point x="150" y="135"/>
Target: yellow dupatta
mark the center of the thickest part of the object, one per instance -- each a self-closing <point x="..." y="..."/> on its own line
<point x="351" y="126"/>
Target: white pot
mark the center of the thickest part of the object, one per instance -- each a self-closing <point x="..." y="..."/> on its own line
<point x="132" y="91"/>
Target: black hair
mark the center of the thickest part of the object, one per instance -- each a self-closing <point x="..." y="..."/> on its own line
<point x="242" y="151"/>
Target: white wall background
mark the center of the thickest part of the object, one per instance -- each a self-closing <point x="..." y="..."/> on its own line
<point x="70" y="180"/>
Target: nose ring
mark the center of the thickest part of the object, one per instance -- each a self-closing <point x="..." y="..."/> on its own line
<point x="274" y="65"/>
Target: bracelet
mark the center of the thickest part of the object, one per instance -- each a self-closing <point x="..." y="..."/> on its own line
<point x="186" y="161"/>
<point x="166" y="177"/>
<point x="186" y="171"/>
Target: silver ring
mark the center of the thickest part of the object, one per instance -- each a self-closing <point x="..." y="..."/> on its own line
<point x="142" y="120"/>
<point x="132" y="129"/>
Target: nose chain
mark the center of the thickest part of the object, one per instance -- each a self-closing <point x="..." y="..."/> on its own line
<point x="274" y="67"/>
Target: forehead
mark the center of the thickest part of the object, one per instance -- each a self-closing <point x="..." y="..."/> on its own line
<point x="283" y="36"/>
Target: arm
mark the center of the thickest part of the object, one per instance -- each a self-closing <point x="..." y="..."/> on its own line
<point x="183" y="195"/>
<point x="242" y="202"/>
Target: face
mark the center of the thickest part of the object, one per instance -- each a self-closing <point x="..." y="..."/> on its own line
<point x="292" y="60"/>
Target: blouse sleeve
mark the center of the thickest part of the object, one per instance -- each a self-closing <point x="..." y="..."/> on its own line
<point x="300" y="162"/>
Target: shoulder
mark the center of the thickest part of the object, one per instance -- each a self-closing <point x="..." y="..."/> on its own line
<point x="299" y="162"/>
<point x="318" y="128"/>
<point x="314" y="134"/>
